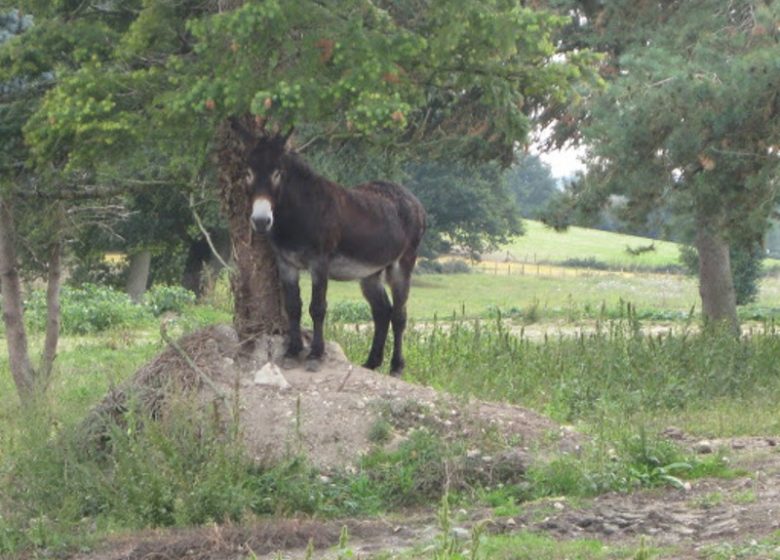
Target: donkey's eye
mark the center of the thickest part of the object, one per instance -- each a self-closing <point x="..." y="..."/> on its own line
<point x="276" y="178"/>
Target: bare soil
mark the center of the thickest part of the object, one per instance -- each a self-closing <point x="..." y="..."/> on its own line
<point x="328" y="415"/>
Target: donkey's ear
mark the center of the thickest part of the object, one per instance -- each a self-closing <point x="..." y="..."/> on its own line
<point x="244" y="134"/>
<point x="286" y="137"/>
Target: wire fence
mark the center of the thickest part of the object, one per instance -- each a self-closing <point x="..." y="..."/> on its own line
<point x="547" y="270"/>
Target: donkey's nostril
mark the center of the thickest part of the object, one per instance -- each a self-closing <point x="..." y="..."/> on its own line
<point x="261" y="224"/>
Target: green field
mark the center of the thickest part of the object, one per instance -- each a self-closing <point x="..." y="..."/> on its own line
<point x="569" y="298"/>
<point x="543" y="244"/>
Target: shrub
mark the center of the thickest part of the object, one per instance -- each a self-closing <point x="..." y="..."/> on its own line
<point x="589" y="263"/>
<point x="431" y="266"/>
<point x="349" y="312"/>
<point x="86" y="309"/>
<point x="161" y="299"/>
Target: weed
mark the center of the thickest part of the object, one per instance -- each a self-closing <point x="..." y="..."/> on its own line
<point x="161" y="299"/>
<point x="87" y="309"/>
<point x="349" y="312"/>
<point x="643" y="553"/>
<point x="380" y="431"/>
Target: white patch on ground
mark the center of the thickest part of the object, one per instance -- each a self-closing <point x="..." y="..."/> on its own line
<point x="271" y="376"/>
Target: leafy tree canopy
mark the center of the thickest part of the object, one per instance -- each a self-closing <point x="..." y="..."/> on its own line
<point x="140" y="85"/>
<point x="469" y="208"/>
<point x="532" y="184"/>
<point x="691" y="118"/>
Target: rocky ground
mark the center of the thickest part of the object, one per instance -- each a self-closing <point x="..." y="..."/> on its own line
<point x="328" y="416"/>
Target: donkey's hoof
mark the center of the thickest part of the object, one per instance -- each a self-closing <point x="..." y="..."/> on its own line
<point x="289" y="362"/>
<point x="313" y="364"/>
<point x="397" y="373"/>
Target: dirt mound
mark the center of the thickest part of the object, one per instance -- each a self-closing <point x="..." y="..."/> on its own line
<point x="332" y="416"/>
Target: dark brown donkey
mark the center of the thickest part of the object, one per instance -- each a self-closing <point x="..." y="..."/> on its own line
<point x="370" y="232"/>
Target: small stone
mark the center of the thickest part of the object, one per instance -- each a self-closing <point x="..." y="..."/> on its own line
<point x="703" y="447"/>
<point x="559" y="506"/>
<point x="673" y="432"/>
<point x="610" y="529"/>
<point x="271" y="375"/>
<point x="461" y="533"/>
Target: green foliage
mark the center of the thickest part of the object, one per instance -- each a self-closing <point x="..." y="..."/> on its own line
<point x="469" y="208"/>
<point x="175" y="471"/>
<point x="88" y="308"/>
<point x="160" y="299"/>
<point x="746" y="271"/>
<point x="685" y="123"/>
<point x="349" y="312"/>
<point x="414" y="474"/>
<point x="581" y="378"/>
<point x="532" y="184"/>
<point x="184" y="470"/>
<point x="359" y="71"/>
<point x="449" y="266"/>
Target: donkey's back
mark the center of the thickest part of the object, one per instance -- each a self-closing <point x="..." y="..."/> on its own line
<point x="380" y="223"/>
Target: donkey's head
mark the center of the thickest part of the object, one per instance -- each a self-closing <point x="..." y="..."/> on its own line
<point x="264" y="176"/>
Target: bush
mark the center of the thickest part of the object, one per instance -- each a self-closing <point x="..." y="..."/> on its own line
<point x="590" y="263"/>
<point x="86" y="309"/>
<point x="350" y="312"/>
<point x="160" y="299"/>
<point x="431" y="266"/>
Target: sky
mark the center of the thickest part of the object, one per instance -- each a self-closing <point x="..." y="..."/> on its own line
<point x="563" y="163"/>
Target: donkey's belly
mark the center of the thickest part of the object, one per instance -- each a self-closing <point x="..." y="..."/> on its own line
<point x="344" y="268"/>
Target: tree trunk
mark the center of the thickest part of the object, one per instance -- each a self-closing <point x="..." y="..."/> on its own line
<point x="138" y="275"/>
<point x="255" y="277"/>
<point x="16" y="337"/>
<point x="53" y="282"/>
<point x="192" y="277"/>
<point x="716" y="286"/>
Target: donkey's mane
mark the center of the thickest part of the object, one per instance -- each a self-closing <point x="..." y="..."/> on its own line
<point x="302" y="170"/>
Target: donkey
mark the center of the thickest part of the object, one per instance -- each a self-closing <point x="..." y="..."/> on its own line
<point x="370" y="233"/>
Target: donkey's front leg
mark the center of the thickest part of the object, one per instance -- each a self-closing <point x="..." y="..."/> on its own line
<point x="289" y="277"/>
<point x="317" y="309"/>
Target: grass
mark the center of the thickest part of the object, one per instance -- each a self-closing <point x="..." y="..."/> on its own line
<point x="532" y="299"/>
<point x="571" y="298"/>
<point x="612" y="382"/>
<point x="543" y="244"/>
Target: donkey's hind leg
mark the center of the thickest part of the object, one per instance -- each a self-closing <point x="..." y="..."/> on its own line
<point x="399" y="277"/>
<point x="375" y="294"/>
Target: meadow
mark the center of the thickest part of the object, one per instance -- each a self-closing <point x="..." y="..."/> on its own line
<point x="619" y="357"/>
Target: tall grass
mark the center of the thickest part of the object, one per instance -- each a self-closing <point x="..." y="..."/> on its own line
<point x="613" y="372"/>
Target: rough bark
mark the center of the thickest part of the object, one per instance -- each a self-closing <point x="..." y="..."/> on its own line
<point x="255" y="278"/>
<point x="16" y="337"/>
<point x="138" y="275"/>
<point x="192" y="277"/>
<point x="716" y="286"/>
<point x="51" y="340"/>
